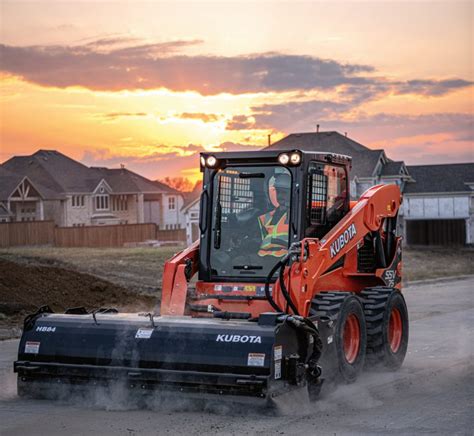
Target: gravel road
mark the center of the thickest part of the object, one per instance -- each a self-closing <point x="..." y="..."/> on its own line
<point x="432" y="393"/>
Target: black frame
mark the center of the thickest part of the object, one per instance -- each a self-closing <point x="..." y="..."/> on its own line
<point x="299" y="189"/>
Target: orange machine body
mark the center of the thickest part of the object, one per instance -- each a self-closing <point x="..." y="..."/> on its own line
<point x="325" y="264"/>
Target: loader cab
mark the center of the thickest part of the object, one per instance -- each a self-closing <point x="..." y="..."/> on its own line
<point x="254" y="205"/>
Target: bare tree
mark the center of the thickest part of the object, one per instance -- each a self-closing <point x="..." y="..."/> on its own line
<point x="181" y="184"/>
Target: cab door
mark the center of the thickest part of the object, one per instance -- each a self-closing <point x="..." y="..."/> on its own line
<point x="327" y="197"/>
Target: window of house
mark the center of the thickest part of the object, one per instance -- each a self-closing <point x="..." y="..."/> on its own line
<point x="102" y="202"/>
<point x="119" y="202"/>
<point x="77" y="201"/>
<point x="171" y="203"/>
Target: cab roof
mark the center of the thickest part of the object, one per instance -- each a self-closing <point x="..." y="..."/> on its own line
<point x="262" y="156"/>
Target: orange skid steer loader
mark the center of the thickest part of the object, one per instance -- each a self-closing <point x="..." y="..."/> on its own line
<point x="289" y="283"/>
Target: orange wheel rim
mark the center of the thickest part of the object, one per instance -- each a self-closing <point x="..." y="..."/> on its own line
<point x="395" y="330"/>
<point x="351" y="338"/>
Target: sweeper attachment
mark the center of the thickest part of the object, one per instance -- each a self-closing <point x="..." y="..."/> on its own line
<point x="289" y="283"/>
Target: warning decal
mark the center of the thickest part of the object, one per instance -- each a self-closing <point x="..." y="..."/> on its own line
<point x="256" y="359"/>
<point x="278" y="352"/>
<point x="32" y="347"/>
<point x="143" y="333"/>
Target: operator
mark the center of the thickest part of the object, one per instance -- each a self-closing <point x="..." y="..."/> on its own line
<point x="274" y="225"/>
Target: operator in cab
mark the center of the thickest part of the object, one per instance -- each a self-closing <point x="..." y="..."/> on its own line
<point x="274" y="225"/>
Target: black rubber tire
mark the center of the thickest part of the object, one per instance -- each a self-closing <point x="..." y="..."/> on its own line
<point x="338" y="306"/>
<point x="378" y="306"/>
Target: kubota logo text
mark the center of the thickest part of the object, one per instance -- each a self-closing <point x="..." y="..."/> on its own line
<point x="342" y="240"/>
<point x="239" y="338"/>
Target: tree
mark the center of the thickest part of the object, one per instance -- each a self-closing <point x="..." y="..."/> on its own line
<point x="181" y="184"/>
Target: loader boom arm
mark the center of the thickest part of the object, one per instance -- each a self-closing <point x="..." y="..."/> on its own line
<point x="317" y="256"/>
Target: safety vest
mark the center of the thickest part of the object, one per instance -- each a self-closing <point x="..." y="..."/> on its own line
<point x="274" y="236"/>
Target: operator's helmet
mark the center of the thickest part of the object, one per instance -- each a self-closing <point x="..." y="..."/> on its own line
<point x="282" y="181"/>
<point x="282" y="187"/>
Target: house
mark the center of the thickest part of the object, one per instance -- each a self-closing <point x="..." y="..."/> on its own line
<point x="72" y="194"/>
<point x="438" y="199"/>
<point x="438" y="205"/>
<point x="190" y="210"/>
<point x="369" y="167"/>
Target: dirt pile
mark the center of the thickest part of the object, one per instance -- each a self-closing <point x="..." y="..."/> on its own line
<point x="24" y="288"/>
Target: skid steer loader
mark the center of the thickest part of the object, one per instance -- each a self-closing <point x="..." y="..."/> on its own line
<point x="290" y="283"/>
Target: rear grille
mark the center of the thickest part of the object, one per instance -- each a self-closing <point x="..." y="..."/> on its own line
<point x="366" y="257"/>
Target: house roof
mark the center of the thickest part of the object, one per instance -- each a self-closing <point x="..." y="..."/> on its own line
<point x="124" y="180"/>
<point x="393" y="168"/>
<point x="60" y="174"/>
<point x="193" y="196"/>
<point x="440" y="178"/>
<point x="364" y="159"/>
<point x="9" y="181"/>
<point x="53" y="170"/>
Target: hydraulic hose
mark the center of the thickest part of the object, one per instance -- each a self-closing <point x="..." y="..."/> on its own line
<point x="284" y="290"/>
<point x="307" y="326"/>
<point x="267" y="288"/>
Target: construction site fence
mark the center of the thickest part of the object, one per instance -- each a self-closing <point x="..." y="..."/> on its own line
<point x="36" y="233"/>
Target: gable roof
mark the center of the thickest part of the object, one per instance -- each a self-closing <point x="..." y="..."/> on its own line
<point x="394" y="168"/>
<point x="364" y="159"/>
<point x="440" y="178"/>
<point x="9" y="181"/>
<point x="60" y="174"/>
<point x="53" y="170"/>
<point x="122" y="180"/>
<point x="321" y="141"/>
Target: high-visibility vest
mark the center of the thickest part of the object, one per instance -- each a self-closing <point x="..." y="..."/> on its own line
<point x="274" y="236"/>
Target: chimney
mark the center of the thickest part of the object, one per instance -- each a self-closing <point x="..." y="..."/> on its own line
<point x="345" y="134"/>
<point x="317" y="128"/>
<point x="269" y="139"/>
<point x="122" y="166"/>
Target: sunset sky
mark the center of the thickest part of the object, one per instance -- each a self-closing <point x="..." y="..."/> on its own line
<point x="150" y="84"/>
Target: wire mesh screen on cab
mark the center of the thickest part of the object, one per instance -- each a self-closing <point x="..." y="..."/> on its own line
<point x="235" y="193"/>
<point x="318" y="197"/>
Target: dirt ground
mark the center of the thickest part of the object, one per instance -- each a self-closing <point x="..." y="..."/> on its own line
<point x="25" y="287"/>
<point x="137" y="269"/>
<point x="140" y="269"/>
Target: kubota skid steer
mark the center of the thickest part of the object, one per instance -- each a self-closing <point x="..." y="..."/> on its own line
<point x="295" y="283"/>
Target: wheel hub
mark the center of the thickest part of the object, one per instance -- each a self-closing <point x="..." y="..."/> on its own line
<point x="395" y="330"/>
<point x="351" y="338"/>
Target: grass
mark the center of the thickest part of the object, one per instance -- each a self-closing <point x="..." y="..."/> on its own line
<point x="426" y="263"/>
<point x="141" y="268"/>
